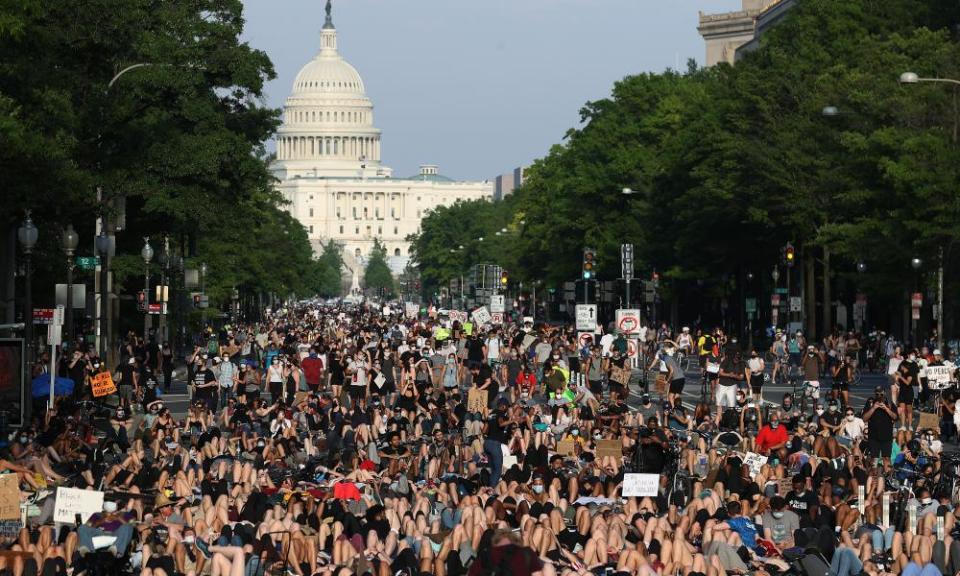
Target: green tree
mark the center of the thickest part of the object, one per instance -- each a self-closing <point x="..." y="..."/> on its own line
<point x="331" y="271"/>
<point x="377" y="275"/>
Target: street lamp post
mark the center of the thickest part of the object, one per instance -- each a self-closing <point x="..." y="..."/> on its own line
<point x="914" y="78"/>
<point x="103" y="248"/>
<point x="203" y="292"/>
<point x="28" y="234"/>
<point x="70" y="241"/>
<point x="915" y="263"/>
<point x="147" y="254"/>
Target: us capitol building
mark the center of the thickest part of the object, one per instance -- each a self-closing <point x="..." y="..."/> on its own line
<point x="329" y="168"/>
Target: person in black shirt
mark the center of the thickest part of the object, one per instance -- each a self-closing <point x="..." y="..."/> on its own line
<point x="907" y="376"/>
<point x="653" y="447"/>
<point x="205" y="386"/>
<point x="803" y="502"/>
<point x="880" y="416"/>
<point x="496" y="436"/>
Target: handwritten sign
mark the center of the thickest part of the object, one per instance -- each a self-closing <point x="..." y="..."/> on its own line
<point x="566" y="448"/>
<point x="101" y="384"/>
<point x="620" y="375"/>
<point x="640" y="485"/>
<point x="73" y="501"/>
<point x="481" y="316"/>
<point x="10" y="528"/>
<point x="411" y="309"/>
<point x="612" y="448"/>
<point x="9" y="497"/>
<point x="754" y="461"/>
<point x="476" y="400"/>
<point x="939" y="376"/>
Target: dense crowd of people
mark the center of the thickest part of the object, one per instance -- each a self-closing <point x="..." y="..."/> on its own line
<point x="339" y="440"/>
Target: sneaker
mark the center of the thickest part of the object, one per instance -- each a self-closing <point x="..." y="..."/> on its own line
<point x="203" y="548"/>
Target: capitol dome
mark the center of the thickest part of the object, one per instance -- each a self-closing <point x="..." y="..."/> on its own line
<point x="327" y="128"/>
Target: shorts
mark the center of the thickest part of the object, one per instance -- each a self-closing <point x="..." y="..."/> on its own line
<point x="756" y="383"/>
<point x="726" y="396"/>
<point x="881" y="449"/>
<point x="841" y="386"/>
<point x="905" y="395"/>
<point x="357" y="392"/>
<point x="676" y="386"/>
<point x="596" y="386"/>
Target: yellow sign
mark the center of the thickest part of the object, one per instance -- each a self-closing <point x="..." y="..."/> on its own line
<point x="102" y="384"/>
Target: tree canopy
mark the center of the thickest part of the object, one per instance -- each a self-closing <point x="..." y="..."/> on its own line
<point x="730" y="163"/>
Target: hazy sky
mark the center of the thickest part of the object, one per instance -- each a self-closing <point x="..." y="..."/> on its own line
<point x="480" y="86"/>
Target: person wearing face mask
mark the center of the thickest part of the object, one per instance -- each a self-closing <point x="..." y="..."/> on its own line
<point x="756" y="366"/>
<point x="779" y="524"/>
<point x="772" y="438"/>
<point x="852" y="429"/>
<point x="831" y="421"/>
<point x="906" y="377"/>
<point x="789" y="413"/>
<point x="226" y="379"/>
<point x="880" y="418"/>
<point x="803" y="502"/>
<point x="811" y="366"/>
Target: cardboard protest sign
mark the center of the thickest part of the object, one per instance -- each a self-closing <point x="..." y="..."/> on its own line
<point x="101" y="384"/>
<point x="640" y="485"/>
<point x="566" y="448"/>
<point x="612" y="448"/>
<point x="73" y="501"/>
<point x="9" y="497"/>
<point x="476" y="400"/>
<point x="620" y="375"/>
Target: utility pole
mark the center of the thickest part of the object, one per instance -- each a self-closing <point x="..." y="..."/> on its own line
<point x="940" y="301"/>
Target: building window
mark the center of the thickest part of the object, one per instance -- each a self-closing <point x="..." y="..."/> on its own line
<point x="368" y="231"/>
<point x="357" y="253"/>
<point x="311" y="228"/>
<point x="311" y="212"/>
<point x="395" y="231"/>
<point x="396" y="252"/>
<point x="341" y="229"/>
<point x="418" y="213"/>
<point x="356" y="230"/>
<point x="338" y="212"/>
<point x="379" y="230"/>
<point x="355" y="213"/>
<point x="365" y="212"/>
<point x="376" y="212"/>
<point x="393" y="212"/>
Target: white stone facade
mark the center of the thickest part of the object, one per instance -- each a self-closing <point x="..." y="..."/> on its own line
<point x="329" y="166"/>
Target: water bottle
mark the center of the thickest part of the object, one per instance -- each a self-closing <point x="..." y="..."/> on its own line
<point x="702" y="465"/>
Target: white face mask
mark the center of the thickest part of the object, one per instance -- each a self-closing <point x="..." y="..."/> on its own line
<point x="850" y="417"/>
<point x="538" y="488"/>
<point x="912" y="357"/>
<point x="819" y="411"/>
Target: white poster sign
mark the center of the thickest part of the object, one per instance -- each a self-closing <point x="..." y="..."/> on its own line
<point x="481" y="316"/>
<point x="640" y="485"/>
<point x="73" y="501"/>
<point x="458" y="316"/>
<point x="939" y="377"/>
<point x="754" y="461"/>
<point x="497" y="303"/>
<point x="411" y="309"/>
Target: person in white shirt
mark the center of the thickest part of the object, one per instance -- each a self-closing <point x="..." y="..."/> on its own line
<point x="606" y="342"/>
<point x="851" y="430"/>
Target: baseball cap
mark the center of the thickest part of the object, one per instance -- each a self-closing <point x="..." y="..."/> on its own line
<point x="937" y="352"/>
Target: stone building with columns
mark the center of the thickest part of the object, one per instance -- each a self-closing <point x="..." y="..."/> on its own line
<point x="328" y="163"/>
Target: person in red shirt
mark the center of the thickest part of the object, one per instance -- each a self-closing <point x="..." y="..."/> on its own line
<point x="312" y="369"/>
<point x="772" y="438"/>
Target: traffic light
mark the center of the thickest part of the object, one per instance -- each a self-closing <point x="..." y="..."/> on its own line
<point x="504" y="279"/>
<point x="141" y="300"/>
<point x="589" y="263"/>
<point x="789" y="254"/>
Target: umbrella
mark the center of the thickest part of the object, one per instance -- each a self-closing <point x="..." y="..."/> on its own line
<point x="41" y="386"/>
